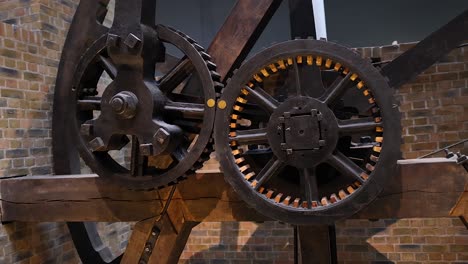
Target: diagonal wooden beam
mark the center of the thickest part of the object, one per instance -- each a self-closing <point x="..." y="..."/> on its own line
<point x="240" y="31"/>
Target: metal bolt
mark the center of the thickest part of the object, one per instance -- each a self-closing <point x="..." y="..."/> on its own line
<point x="161" y="136"/>
<point x="132" y="41"/>
<point x="97" y="144"/>
<point x="319" y="117"/>
<point x="146" y="149"/>
<point x="124" y="104"/>
<point x="322" y="143"/>
<point x="113" y="40"/>
<point x="118" y="104"/>
<point x="86" y="129"/>
<point x="283" y="146"/>
<point x="313" y="112"/>
<point x="281" y="119"/>
<point x="287" y="114"/>
<point x="289" y="152"/>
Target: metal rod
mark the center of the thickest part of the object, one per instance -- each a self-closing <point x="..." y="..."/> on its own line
<point x="442" y="149"/>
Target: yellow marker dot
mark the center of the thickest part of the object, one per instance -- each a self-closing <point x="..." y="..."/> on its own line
<point x="222" y="104"/>
<point x="211" y="103"/>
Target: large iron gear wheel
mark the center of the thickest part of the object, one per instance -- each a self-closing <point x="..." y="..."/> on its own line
<point x="191" y="118"/>
<point x="300" y="130"/>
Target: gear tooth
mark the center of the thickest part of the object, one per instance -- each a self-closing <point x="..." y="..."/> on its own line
<point x="323" y="39"/>
<point x="205" y="55"/>
<point x="198" y="47"/>
<point x="211" y="65"/>
<point x="215" y="76"/>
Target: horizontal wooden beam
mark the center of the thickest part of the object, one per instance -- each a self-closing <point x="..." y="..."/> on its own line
<point x="422" y="188"/>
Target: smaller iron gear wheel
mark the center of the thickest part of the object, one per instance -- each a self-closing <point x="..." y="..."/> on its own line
<point x="300" y="132"/>
<point x="113" y="150"/>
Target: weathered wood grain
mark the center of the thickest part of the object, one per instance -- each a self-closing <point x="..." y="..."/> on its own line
<point x="422" y="188"/>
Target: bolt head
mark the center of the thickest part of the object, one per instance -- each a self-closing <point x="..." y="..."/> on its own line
<point x="289" y="152"/>
<point x="161" y="136"/>
<point x="97" y="144"/>
<point x="118" y="104"/>
<point x="132" y="41"/>
<point x="322" y="143"/>
<point x="86" y="129"/>
<point x="113" y="40"/>
<point x="146" y="149"/>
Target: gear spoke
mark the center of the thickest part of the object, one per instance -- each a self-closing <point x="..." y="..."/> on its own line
<point x="299" y="85"/>
<point x="179" y="154"/>
<point x="108" y="66"/>
<point x="350" y="126"/>
<point x="176" y="76"/>
<point x="251" y="136"/>
<point x="309" y="180"/>
<point x="271" y="169"/>
<point x="262" y="98"/>
<point x="185" y="110"/>
<point x="337" y="89"/>
<point x="89" y="103"/>
<point x="346" y="166"/>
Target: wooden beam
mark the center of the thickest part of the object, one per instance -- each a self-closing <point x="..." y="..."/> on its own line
<point x="422" y="188"/>
<point x="240" y="32"/>
<point x="461" y="208"/>
<point x="316" y="244"/>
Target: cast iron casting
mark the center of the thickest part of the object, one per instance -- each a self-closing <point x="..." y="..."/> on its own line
<point x="308" y="152"/>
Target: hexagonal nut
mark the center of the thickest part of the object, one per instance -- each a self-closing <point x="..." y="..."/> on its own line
<point x="97" y="144"/>
<point x="161" y="136"/>
<point x="113" y="40"/>
<point x="146" y="149"/>
<point x="86" y="129"/>
<point x="132" y="41"/>
<point x="322" y="143"/>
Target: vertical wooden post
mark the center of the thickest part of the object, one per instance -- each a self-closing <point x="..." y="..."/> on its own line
<point x="316" y="244"/>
